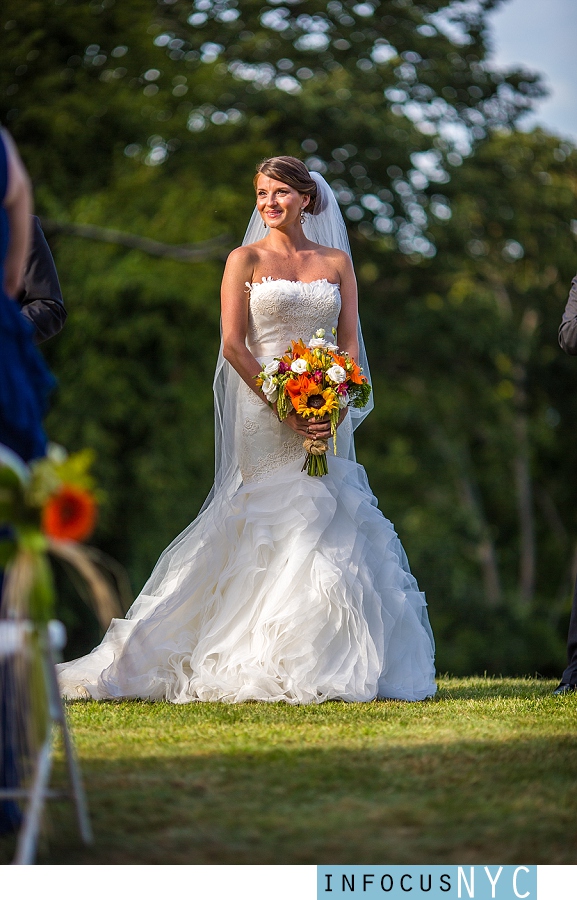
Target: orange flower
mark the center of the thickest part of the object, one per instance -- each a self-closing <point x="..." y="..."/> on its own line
<point x="299" y="386"/>
<point x="353" y="371"/>
<point x="355" y="374"/>
<point x="299" y="348"/>
<point x="70" y="514"/>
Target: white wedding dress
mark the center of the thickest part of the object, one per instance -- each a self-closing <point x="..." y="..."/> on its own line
<point x="286" y="587"/>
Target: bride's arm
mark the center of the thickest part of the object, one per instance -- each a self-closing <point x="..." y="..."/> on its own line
<point x="347" y="331"/>
<point x="234" y="309"/>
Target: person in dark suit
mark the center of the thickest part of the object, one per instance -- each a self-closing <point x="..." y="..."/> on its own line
<point x="568" y="342"/>
<point x="40" y="297"/>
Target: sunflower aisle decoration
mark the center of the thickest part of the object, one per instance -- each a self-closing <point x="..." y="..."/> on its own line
<point x="317" y="381"/>
<point x="48" y="508"/>
<point x="69" y="514"/>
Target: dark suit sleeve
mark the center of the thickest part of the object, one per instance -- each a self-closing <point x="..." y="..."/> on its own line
<point x="41" y="298"/>
<point x="568" y="327"/>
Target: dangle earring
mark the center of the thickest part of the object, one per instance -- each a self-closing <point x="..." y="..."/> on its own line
<point x="302" y="217"/>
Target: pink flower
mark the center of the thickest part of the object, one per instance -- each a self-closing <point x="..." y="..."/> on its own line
<point x="283" y="367"/>
<point x="317" y="376"/>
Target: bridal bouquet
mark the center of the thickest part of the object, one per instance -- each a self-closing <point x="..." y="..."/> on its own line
<point x="315" y="380"/>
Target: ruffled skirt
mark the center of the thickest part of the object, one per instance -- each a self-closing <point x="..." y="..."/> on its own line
<point x="296" y="589"/>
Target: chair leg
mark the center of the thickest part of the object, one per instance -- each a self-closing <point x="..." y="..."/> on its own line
<point x="28" y="835"/>
<point x="39" y="790"/>
<point x="58" y="715"/>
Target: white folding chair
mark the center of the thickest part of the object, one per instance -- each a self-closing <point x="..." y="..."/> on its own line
<point x="13" y="637"/>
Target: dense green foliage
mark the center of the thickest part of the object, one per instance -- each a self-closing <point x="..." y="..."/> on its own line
<point x="486" y="773"/>
<point x="472" y="445"/>
<point x="149" y="118"/>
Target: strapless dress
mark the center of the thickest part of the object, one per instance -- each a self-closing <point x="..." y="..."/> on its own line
<point x="293" y="589"/>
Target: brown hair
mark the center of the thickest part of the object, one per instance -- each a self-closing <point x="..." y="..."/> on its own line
<point x="291" y="171"/>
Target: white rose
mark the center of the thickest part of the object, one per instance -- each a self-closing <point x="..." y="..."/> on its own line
<point x="317" y="343"/>
<point x="299" y="366"/>
<point x="343" y="400"/>
<point x="337" y="374"/>
<point x="332" y="347"/>
<point x="271" y="368"/>
<point x="270" y="389"/>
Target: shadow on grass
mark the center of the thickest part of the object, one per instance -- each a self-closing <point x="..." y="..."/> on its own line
<point x="485" y="772"/>
<point x="466" y="802"/>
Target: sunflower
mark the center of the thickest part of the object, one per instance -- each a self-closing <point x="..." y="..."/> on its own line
<point x="70" y="514"/>
<point x="309" y="405"/>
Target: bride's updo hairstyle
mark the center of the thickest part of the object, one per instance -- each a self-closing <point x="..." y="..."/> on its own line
<point x="291" y="171"/>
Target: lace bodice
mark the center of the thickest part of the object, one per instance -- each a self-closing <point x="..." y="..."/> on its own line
<point x="279" y="311"/>
<point x="282" y="310"/>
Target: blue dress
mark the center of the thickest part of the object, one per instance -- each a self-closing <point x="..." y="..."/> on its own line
<point x="24" y="385"/>
<point x="24" y="379"/>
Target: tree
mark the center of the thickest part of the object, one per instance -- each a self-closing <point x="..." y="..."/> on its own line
<point x="148" y="119"/>
<point x="478" y="400"/>
<point x="377" y="94"/>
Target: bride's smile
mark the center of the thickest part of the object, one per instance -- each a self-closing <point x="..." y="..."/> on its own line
<point x="278" y="203"/>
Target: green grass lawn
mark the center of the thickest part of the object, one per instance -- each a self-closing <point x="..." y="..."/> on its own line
<point x="486" y="773"/>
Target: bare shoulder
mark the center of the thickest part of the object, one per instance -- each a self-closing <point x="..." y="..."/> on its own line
<point x="342" y="259"/>
<point x="242" y="255"/>
<point x="242" y="261"/>
<point x="336" y="256"/>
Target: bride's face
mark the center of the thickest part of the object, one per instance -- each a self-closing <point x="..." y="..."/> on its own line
<point x="278" y="203"/>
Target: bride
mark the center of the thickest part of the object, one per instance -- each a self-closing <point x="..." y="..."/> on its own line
<point x="286" y="587"/>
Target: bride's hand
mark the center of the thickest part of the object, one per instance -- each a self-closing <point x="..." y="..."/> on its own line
<point x="319" y="429"/>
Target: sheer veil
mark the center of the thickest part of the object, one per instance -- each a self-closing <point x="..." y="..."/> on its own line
<point x="325" y="226"/>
